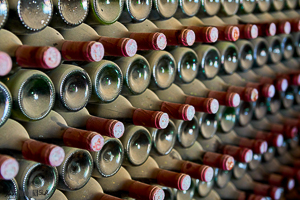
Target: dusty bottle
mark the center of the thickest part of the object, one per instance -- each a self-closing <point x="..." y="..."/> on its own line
<point x="73" y="87"/>
<point x="122" y="109"/>
<point x="6" y="103"/>
<point x="163" y="10"/>
<point x="135" y="11"/>
<point x="92" y="190"/>
<point x="35" y="179"/>
<point x="174" y="162"/>
<point x="175" y="36"/>
<point x="43" y="57"/>
<point x="150" y="172"/>
<point x="55" y="128"/>
<point x="113" y="46"/>
<point x="130" y="188"/>
<point x="58" y="195"/>
<point x="196" y="154"/>
<point x="23" y="12"/>
<point x="32" y="92"/>
<point x="245" y="55"/>
<point x="90" y="51"/>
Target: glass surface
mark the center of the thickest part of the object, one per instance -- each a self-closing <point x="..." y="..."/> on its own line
<point x="263" y="5"/>
<point x="164" y="72"/>
<point x="208" y="125"/>
<point x="288" y="48"/>
<point x="203" y="188"/>
<point x="187" y="67"/>
<point x="288" y="97"/>
<point x="222" y="177"/>
<point x="139" y="10"/>
<point x="269" y="155"/>
<point x="210" y="63"/>
<point x="78" y="169"/>
<point x="109" y="83"/>
<point x="76" y="90"/>
<point x="190" y="7"/>
<point x="166" y="8"/>
<point x="230" y="6"/>
<point x="139" y="76"/>
<point x="260" y="108"/>
<point x="254" y="163"/>
<point x="35" y="14"/>
<point x="3" y="12"/>
<point x="275" y="51"/>
<point x="211" y="7"/>
<point x="139" y="147"/>
<point x="245" y="113"/>
<point x="186" y="194"/>
<point x="248" y="5"/>
<point x="230" y="60"/>
<point x="5" y="103"/>
<point x="110" y="158"/>
<point x="164" y="139"/>
<point x="239" y="170"/>
<point x="41" y="183"/>
<point x="246" y="58"/>
<point x="36" y="97"/>
<point x="278" y="4"/>
<point x="107" y="11"/>
<point x="188" y="132"/>
<point x="73" y="12"/>
<point x="261" y="53"/>
<point x="274" y="103"/>
<point x="9" y="189"/>
<point x="228" y="119"/>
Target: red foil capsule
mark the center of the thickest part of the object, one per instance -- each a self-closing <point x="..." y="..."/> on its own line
<point x="150" y="41"/>
<point x="230" y="99"/>
<point x="48" y="154"/>
<point x="281" y="181"/>
<point x="208" y="105"/>
<point x="125" y="47"/>
<point x="38" y="57"/>
<point x="176" y="180"/>
<point x="295" y="23"/>
<point x="197" y="171"/>
<point x="266" y="29"/>
<point x="248" y="31"/>
<point x="273" y="139"/>
<point x="5" y="63"/>
<point x="184" y="112"/>
<point x="267" y="190"/>
<point x="265" y="90"/>
<point x="185" y="37"/>
<point x="205" y="34"/>
<point x="140" y="190"/>
<point x="155" y="119"/>
<point x="9" y="167"/>
<point x="283" y="26"/>
<point x="258" y="146"/>
<point x="288" y="131"/>
<point x="240" y="154"/>
<point x="247" y="94"/>
<point x="217" y="160"/>
<point x="228" y="33"/>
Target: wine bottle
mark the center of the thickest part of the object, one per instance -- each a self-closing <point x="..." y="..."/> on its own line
<point x="247" y="93"/>
<point x="109" y="159"/>
<point x="127" y="187"/>
<point x="275" y="54"/>
<point x="83" y="120"/>
<point x="245" y="54"/>
<point x="181" y="195"/>
<point x="283" y="26"/>
<point x="107" y="80"/>
<point x="187" y="132"/>
<point x="288" y="159"/>
<point x="5" y="63"/>
<point x="22" y="14"/>
<point x="43" y="57"/>
<point x="36" y="180"/>
<point x="104" y="12"/>
<point x="209" y="61"/>
<point x="135" y="11"/>
<point x="211" y="195"/>
<point x="288" y="131"/>
<point x="92" y="190"/>
<point x="246" y="183"/>
<point x="209" y="8"/>
<point x="196" y="153"/>
<point x="180" y="95"/>
<point x="277" y="5"/>
<point x="274" y="166"/>
<point x="113" y="46"/>
<point x="122" y="109"/>
<point x="278" y="118"/>
<point x="258" y="146"/>
<point x="280" y="84"/>
<point x="261" y="175"/>
<point x="207" y="34"/>
<point x="273" y="139"/>
<point x="175" y="36"/>
<point x="244" y="113"/>
<point x="76" y="169"/>
<point x="9" y="189"/>
<point x="207" y="124"/>
<point x="9" y="167"/>
<point x="146" y="39"/>
<point x="137" y="144"/>
<point x="150" y="172"/>
<point x="290" y="113"/>
<point x="149" y="101"/>
<point x="226" y="32"/>
<point x="287" y="46"/>
<point x="215" y="144"/>
<point x="73" y="87"/>
<point x="188" y="9"/>
<point x="163" y="140"/>
<point x="187" y="64"/>
<point x="90" y="51"/>
<point x="58" y="195"/>
<point x="230" y="192"/>
<point x="174" y="162"/>
<point x="55" y="128"/>
<point x="265" y="90"/>
<point x="136" y="74"/>
<point x="32" y="94"/>
<point x="6" y="103"/>
<point x="68" y="18"/>
<point x="163" y="10"/>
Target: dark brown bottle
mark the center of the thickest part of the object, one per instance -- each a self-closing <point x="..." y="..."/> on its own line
<point x="113" y="46"/>
<point x="54" y="127"/>
<point x="121" y="109"/>
<point x="17" y="139"/>
<point x="44" y="57"/>
<point x="89" y="51"/>
<point x="126" y="187"/>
